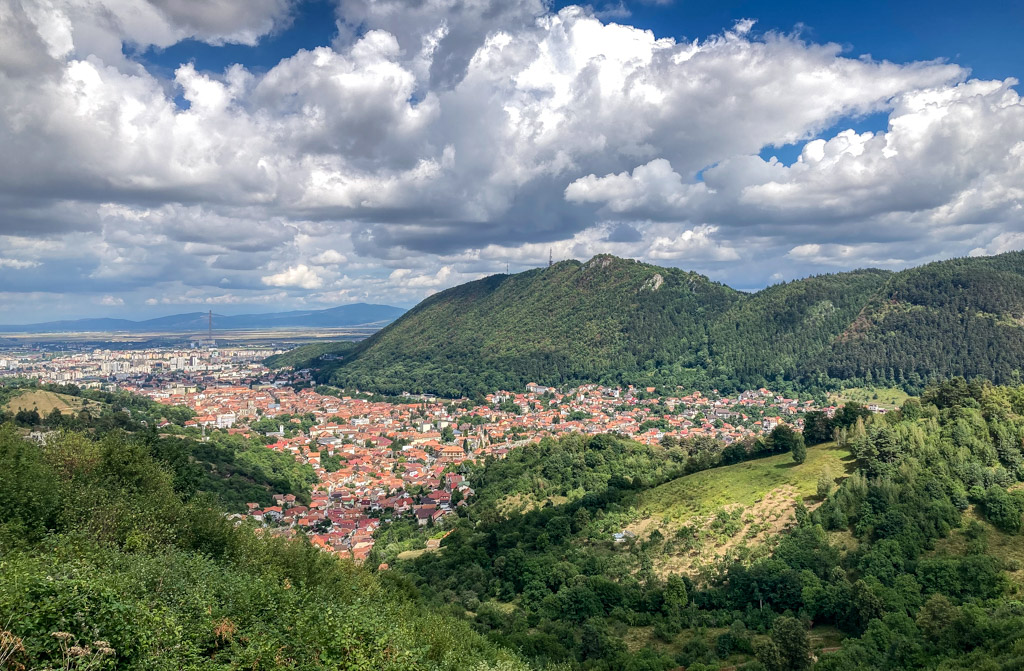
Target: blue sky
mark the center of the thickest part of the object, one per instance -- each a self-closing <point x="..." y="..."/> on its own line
<point x="270" y="154"/>
<point x="983" y="35"/>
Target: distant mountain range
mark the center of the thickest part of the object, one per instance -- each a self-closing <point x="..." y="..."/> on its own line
<point x="617" y="321"/>
<point x="355" y="314"/>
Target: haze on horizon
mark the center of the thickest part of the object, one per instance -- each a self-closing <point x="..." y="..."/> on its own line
<point x="166" y="156"/>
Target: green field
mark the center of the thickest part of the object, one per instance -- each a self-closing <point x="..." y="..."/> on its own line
<point x="886" y="397"/>
<point x="744" y="483"/>
<point x="46" y="401"/>
<point x="734" y="513"/>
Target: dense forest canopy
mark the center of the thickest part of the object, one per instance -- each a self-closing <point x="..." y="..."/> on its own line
<point x="234" y="469"/>
<point x="617" y="321"/>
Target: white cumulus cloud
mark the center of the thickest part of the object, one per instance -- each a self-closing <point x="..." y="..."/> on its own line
<point x="329" y="257"/>
<point x="297" y="276"/>
<point x="17" y="263"/>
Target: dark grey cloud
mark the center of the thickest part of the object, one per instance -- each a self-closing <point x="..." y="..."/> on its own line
<point x="624" y="233"/>
<point x="438" y="37"/>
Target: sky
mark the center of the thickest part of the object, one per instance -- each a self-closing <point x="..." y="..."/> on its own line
<point x="162" y="156"/>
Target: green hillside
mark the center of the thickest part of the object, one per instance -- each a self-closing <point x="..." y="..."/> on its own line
<point x="617" y="321"/>
<point x="908" y="559"/>
<point x="606" y="319"/>
<point x="744" y="483"/>
<point x="958" y="317"/>
<point x="769" y="335"/>
<point x="234" y="469"/>
<point x="307" y="356"/>
<point x="104" y="566"/>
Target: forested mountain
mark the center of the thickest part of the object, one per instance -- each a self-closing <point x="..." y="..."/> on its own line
<point x="958" y="317"/>
<point x="619" y="321"/>
<point x="603" y="320"/>
<point x="770" y="335"/>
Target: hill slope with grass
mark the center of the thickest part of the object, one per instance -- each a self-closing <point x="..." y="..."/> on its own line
<point x="734" y="512"/>
<point x="744" y="483"/>
<point x="44" y="402"/>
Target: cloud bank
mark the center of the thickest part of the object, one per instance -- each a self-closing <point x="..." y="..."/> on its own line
<point x="433" y="142"/>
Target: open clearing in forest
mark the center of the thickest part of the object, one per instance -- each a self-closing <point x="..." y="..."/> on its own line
<point x="46" y="401"/>
<point x="886" y="397"/>
<point x="413" y="554"/>
<point x="524" y="502"/>
<point x="744" y="483"/>
<point x="823" y="638"/>
<point x="736" y="511"/>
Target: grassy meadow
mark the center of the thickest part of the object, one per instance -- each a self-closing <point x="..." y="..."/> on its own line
<point x="46" y="402"/>
<point x="745" y="483"/>
<point x="886" y="397"/>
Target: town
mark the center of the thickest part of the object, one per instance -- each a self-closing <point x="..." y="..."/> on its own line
<point x="378" y="459"/>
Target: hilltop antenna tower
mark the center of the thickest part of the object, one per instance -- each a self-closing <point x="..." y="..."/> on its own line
<point x="551" y="258"/>
<point x="210" y="315"/>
